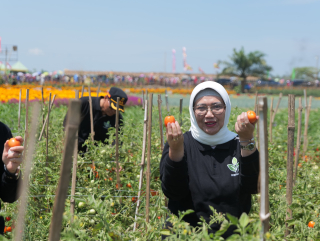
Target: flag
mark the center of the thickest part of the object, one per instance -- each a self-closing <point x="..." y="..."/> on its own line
<point x="201" y="70"/>
<point x="293" y="75"/>
<point x="216" y="66"/>
<point x="173" y="60"/>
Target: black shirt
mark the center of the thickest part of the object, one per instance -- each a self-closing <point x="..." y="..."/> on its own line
<point x="101" y="123"/>
<point x="8" y="187"/>
<point x="218" y="177"/>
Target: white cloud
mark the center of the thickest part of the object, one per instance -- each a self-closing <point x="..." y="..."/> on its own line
<point x="35" y="51"/>
<point x="299" y="2"/>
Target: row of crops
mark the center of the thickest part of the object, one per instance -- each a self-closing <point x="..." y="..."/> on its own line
<point x="99" y="213"/>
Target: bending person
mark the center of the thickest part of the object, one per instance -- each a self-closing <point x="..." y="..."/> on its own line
<point x="209" y="165"/>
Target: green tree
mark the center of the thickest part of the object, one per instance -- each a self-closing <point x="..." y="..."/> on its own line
<point x="244" y="65"/>
<point x="305" y="73"/>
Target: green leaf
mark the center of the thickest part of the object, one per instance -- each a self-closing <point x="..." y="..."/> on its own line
<point x="98" y="226"/>
<point x="232" y="167"/>
<point x="234" y="161"/>
<point x="165" y="232"/>
<point x="232" y="219"/>
<point x="244" y="220"/>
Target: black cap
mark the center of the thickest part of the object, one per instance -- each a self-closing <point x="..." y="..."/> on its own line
<point x="115" y="92"/>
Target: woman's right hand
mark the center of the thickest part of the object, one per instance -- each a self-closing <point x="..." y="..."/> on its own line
<point x="175" y="141"/>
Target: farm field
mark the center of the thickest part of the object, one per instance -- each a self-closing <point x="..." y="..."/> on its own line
<point x="99" y="214"/>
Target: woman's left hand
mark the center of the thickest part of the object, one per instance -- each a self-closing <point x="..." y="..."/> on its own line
<point x="243" y="127"/>
<point x="12" y="156"/>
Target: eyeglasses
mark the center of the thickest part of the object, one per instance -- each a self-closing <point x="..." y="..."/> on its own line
<point x="202" y="110"/>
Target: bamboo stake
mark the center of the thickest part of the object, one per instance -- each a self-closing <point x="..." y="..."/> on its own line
<point x="305" y="105"/>
<point x="256" y="102"/>
<point x="91" y="122"/>
<point x="256" y="109"/>
<point x="45" y="121"/>
<point x="47" y="138"/>
<point x="82" y="91"/>
<point x="264" y="173"/>
<point x="160" y="122"/>
<point x="117" y="146"/>
<point x="271" y="112"/>
<point x="275" y="111"/>
<point x="23" y="186"/>
<point x="291" y="128"/>
<point x="142" y="163"/>
<point x="149" y="155"/>
<point x="298" y="141"/>
<point x="98" y="91"/>
<point x="74" y="169"/>
<point x="167" y="101"/>
<point x="181" y="101"/>
<point x="143" y="99"/>
<point x="42" y="104"/>
<point x="73" y="121"/>
<point x="27" y="117"/>
<point x="19" y="111"/>
<point x="306" y="124"/>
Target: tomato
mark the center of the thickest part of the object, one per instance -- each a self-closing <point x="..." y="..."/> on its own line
<point x="8" y="218"/>
<point x="92" y="211"/>
<point x="9" y="229"/>
<point x="169" y="119"/>
<point x="154" y="193"/>
<point x="5" y="229"/>
<point x="134" y="199"/>
<point x="299" y="165"/>
<point x="92" y="222"/>
<point x="81" y="205"/>
<point x="129" y="185"/>
<point x="252" y="116"/>
<point x="159" y="217"/>
<point x="14" y="142"/>
<point x="310" y="224"/>
<point x="110" y="178"/>
<point x="117" y="187"/>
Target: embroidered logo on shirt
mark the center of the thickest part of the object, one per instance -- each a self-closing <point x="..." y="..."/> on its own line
<point x="106" y="125"/>
<point x="234" y="167"/>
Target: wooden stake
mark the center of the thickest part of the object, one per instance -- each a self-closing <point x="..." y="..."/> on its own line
<point x="275" y="111"/>
<point x="27" y="117"/>
<point x="45" y="121"/>
<point x="74" y="169"/>
<point x="306" y="124"/>
<point x="149" y="156"/>
<point x="23" y="186"/>
<point x="82" y="91"/>
<point x="264" y="173"/>
<point x="42" y="104"/>
<point x="291" y="128"/>
<point x="19" y="111"/>
<point x="160" y="122"/>
<point x="91" y="122"/>
<point x="256" y="102"/>
<point x="305" y="105"/>
<point x="295" y="174"/>
<point x="270" y="120"/>
<point x="47" y="138"/>
<point x="98" y="91"/>
<point x="181" y="101"/>
<point x="142" y="163"/>
<point x="117" y="146"/>
<point x="73" y="121"/>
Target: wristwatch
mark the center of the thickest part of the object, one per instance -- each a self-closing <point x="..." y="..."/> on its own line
<point x="250" y="146"/>
<point x="14" y="176"/>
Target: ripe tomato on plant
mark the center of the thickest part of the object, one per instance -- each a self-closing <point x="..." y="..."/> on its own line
<point x="252" y="116"/>
<point x="117" y="186"/>
<point x="134" y="199"/>
<point x="9" y="229"/>
<point x="311" y="224"/>
<point x="8" y="218"/>
<point x="14" y="142"/>
<point x="154" y="193"/>
<point x="169" y="119"/>
<point x="129" y="185"/>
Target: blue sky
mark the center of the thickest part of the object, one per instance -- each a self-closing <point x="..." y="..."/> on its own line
<point x="139" y="35"/>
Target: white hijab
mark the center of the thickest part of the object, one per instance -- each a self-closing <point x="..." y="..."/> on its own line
<point x="224" y="135"/>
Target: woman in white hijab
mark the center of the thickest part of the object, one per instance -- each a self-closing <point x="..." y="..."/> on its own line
<point x="209" y="165"/>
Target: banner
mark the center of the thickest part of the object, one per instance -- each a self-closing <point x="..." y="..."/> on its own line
<point x="293" y="75"/>
<point x="184" y="55"/>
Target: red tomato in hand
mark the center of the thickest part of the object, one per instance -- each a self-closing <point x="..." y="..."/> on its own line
<point x="252" y="116"/>
<point x="14" y="142"/>
<point x="311" y="224"/>
<point x="169" y="119"/>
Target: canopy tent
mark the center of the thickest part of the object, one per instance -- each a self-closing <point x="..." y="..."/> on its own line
<point x="19" y="67"/>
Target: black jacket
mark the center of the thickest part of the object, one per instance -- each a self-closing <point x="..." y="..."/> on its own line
<point x="8" y="187"/>
<point x="101" y="123"/>
<point x="208" y="176"/>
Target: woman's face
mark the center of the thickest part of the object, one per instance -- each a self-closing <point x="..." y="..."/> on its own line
<point x="210" y="123"/>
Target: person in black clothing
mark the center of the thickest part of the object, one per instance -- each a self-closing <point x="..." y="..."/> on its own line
<point x="210" y="165"/>
<point x="104" y="116"/>
<point x="10" y="168"/>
